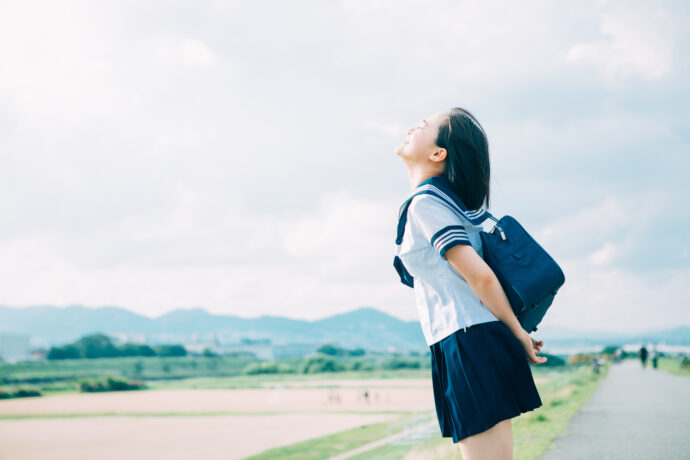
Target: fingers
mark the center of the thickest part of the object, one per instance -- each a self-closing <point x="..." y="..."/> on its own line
<point x="532" y="353"/>
<point x="537" y="345"/>
<point x="534" y="359"/>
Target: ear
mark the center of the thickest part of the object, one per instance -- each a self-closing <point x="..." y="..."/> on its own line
<point x="440" y="154"/>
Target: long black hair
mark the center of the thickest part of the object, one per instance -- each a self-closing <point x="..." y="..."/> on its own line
<point x="467" y="165"/>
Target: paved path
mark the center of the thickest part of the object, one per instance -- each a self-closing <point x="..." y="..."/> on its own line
<point x="634" y="414"/>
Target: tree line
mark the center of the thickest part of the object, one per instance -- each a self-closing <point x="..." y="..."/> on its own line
<point x="100" y="346"/>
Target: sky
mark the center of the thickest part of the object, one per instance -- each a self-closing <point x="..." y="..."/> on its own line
<point x="239" y="156"/>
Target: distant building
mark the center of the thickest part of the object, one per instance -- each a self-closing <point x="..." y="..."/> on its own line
<point x="120" y="338"/>
<point x="15" y="347"/>
<point x="261" y="348"/>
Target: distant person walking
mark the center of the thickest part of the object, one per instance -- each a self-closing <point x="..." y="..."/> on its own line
<point x="480" y="354"/>
<point x="643" y="355"/>
<point x="618" y="356"/>
<point x="596" y="365"/>
<point x="655" y="356"/>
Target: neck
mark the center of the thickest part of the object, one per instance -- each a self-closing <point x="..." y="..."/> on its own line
<point x="419" y="175"/>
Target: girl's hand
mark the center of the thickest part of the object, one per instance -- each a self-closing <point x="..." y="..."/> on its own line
<point x="532" y="347"/>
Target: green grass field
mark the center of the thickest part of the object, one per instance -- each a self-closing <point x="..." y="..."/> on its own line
<point x="672" y="365"/>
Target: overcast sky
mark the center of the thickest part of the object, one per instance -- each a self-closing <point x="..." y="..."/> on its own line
<point x="239" y="156"/>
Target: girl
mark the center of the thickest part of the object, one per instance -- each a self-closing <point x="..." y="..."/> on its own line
<point x="480" y="354"/>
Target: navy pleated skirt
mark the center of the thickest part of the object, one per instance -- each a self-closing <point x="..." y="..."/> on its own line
<point x="480" y="377"/>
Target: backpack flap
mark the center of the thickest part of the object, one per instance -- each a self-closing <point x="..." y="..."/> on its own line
<point x="529" y="276"/>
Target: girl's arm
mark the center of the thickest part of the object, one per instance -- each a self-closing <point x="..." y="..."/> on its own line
<point x="486" y="286"/>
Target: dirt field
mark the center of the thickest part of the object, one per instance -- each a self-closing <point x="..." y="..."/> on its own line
<point x="355" y="383"/>
<point x="303" y="413"/>
<point x="278" y="399"/>
<point x="170" y="438"/>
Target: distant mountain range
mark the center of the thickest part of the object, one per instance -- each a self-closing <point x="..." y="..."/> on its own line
<point x="365" y="327"/>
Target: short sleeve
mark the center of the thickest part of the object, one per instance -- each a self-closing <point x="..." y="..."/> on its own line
<point x="442" y="227"/>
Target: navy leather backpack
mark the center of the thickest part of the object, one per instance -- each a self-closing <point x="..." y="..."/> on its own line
<point x="529" y="276"/>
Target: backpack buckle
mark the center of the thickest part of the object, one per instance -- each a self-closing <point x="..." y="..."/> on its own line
<point x="500" y="230"/>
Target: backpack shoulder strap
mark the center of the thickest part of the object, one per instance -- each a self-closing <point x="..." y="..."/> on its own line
<point x="475" y="217"/>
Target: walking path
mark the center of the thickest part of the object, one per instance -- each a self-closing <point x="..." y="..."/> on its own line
<point x="635" y="414"/>
<point x="422" y="430"/>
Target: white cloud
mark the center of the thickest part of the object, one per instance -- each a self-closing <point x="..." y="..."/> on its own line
<point x="391" y="129"/>
<point x="615" y="300"/>
<point x="341" y="236"/>
<point x="639" y="42"/>
<point x="190" y="52"/>
<point x="604" y="255"/>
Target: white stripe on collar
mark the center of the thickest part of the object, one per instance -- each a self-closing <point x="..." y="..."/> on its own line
<point x="472" y="214"/>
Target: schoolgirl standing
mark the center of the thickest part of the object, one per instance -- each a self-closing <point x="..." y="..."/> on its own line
<point x="480" y="354"/>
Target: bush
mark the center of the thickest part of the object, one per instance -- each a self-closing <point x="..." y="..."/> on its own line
<point x="135" y="349"/>
<point x="21" y="392"/>
<point x="361" y="365"/>
<point x="333" y="350"/>
<point x="109" y="383"/>
<point x="286" y="369"/>
<point x="401" y="363"/>
<point x="269" y="367"/>
<point x="321" y="363"/>
<point x="171" y="350"/>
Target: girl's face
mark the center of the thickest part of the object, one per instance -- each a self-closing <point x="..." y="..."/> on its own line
<point x="420" y="144"/>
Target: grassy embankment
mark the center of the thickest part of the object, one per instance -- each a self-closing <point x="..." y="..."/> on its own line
<point x="672" y="365"/>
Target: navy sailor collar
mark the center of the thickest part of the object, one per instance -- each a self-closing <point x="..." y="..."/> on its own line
<point x="440" y="187"/>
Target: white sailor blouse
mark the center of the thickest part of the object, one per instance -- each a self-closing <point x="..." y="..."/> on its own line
<point x="432" y="220"/>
